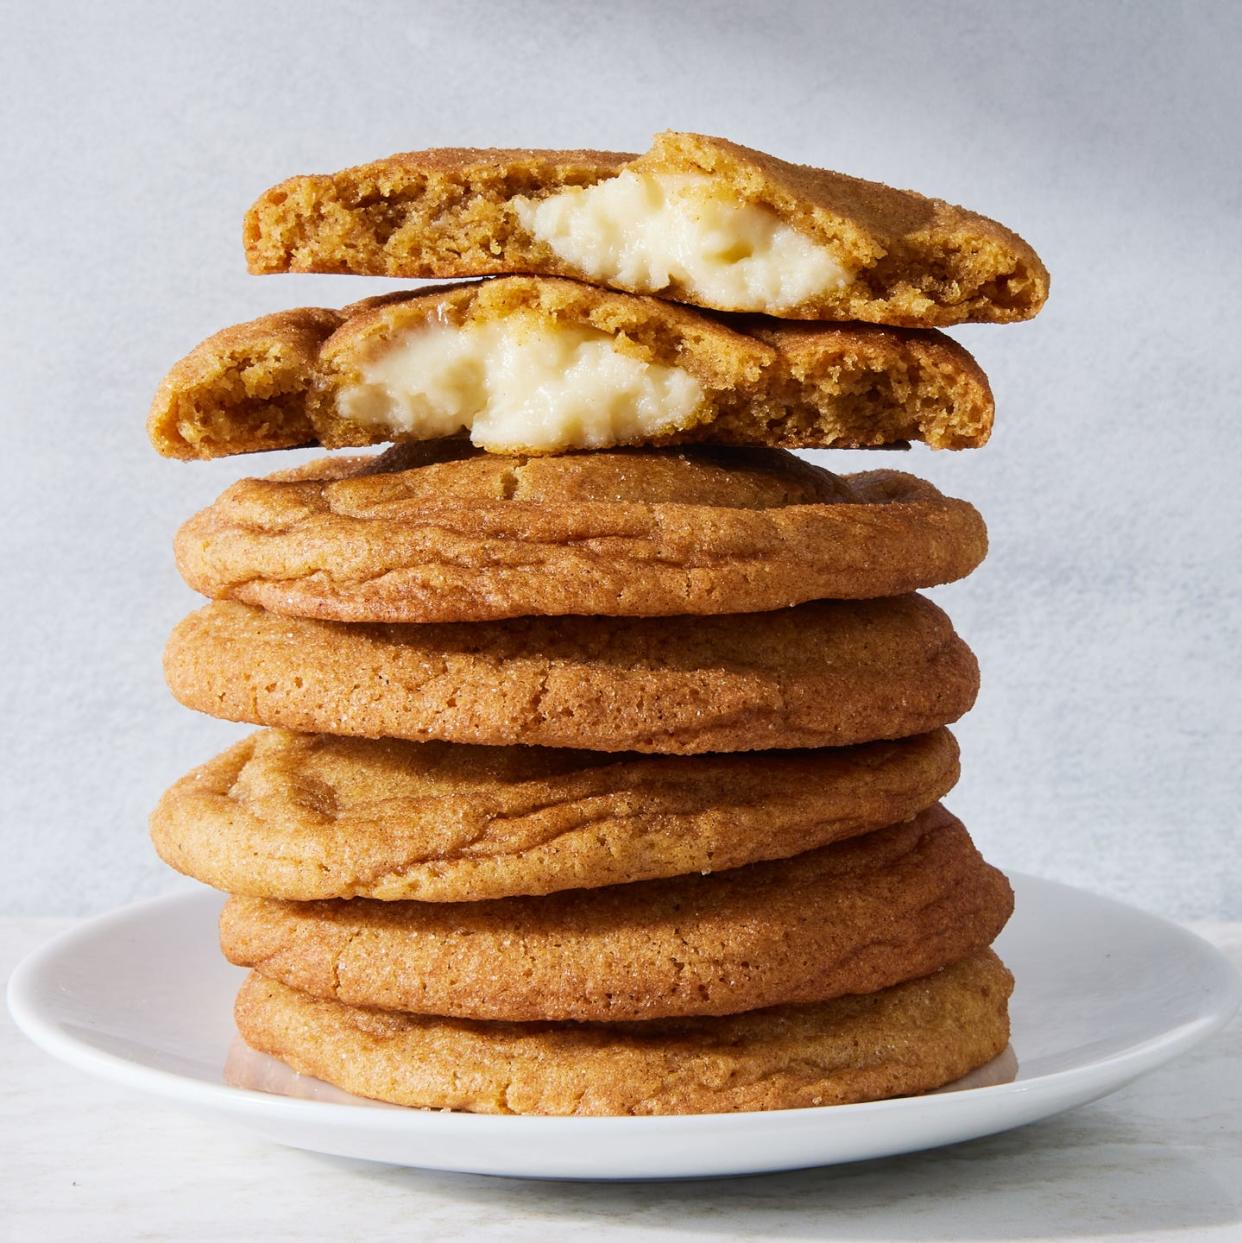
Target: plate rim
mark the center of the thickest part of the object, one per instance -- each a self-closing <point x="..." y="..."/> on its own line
<point x="44" y="1030"/>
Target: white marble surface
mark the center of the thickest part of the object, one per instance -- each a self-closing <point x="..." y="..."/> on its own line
<point x="83" y="1160"/>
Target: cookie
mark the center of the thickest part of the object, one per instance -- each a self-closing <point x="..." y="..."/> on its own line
<point x="824" y="674"/>
<point x="305" y="816"/>
<point x="697" y="219"/>
<point x="429" y="533"/>
<point x="853" y="917"/>
<point x="536" y="365"/>
<point x="903" y="1040"/>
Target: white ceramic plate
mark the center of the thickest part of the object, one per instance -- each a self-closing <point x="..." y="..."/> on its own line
<point x="1104" y="993"/>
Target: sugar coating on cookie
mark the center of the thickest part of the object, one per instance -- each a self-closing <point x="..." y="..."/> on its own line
<point x="309" y="816"/>
<point x="909" y="1038"/>
<point x="696" y="219"/>
<point x="851" y="917"/>
<point x="545" y="365"/>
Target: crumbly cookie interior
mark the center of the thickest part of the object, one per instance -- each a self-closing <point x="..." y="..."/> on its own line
<point x="521" y="382"/>
<point x="684" y="232"/>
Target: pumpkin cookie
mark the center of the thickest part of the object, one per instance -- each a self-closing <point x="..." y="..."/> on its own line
<point x="697" y="219"/>
<point x="824" y="674"/>
<point x="305" y="816"/>
<point x="533" y="365"/>
<point x="907" y="1039"/>
<point x="438" y="532"/>
<point x="852" y="917"/>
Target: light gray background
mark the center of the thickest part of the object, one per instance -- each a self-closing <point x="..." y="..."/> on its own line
<point x="1106" y="743"/>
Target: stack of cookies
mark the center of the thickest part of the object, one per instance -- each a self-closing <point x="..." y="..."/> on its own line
<point x="603" y="737"/>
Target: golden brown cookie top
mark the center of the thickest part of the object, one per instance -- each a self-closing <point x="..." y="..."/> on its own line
<point x="902" y="1040"/>
<point x="697" y="219"/>
<point x="852" y="917"/>
<point x="438" y="532"/>
<point x="453" y="472"/>
<point x="828" y="673"/>
<point x="306" y="816"/>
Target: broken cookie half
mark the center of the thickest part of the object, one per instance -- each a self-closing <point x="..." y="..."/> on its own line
<point x="545" y="365"/>
<point x="697" y="219"/>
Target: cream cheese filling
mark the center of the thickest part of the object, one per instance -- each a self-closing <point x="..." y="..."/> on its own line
<point x="646" y="231"/>
<point x="522" y="382"/>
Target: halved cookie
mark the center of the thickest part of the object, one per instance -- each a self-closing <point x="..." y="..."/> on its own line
<point x="439" y="532"/>
<point x="902" y="1040"/>
<point x="819" y="675"/>
<point x="539" y="365"/>
<point x="853" y="917"/>
<point x="305" y="816"/>
<point x="697" y="219"/>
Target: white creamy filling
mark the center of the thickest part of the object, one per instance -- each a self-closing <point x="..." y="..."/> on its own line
<point x="645" y="231"/>
<point x="521" y="382"/>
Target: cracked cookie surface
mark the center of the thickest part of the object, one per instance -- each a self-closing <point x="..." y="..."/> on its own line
<point x="308" y="816"/>
<point x="906" y="1039"/>
<point x="852" y="917"/>
<point x="439" y="532"/>
<point x="824" y="674"/>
